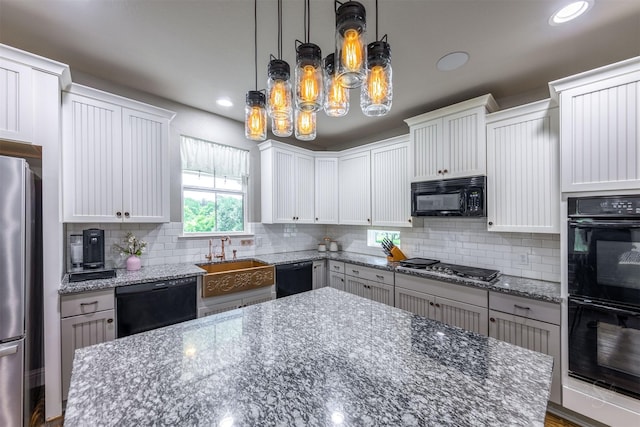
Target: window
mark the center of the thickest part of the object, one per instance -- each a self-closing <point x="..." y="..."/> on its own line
<point x="214" y="187"/>
<point x="374" y="237"/>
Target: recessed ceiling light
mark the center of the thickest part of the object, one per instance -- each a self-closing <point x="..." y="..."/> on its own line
<point x="452" y="61"/>
<point x="224" y="102"/>
<point x="570" y="12"/>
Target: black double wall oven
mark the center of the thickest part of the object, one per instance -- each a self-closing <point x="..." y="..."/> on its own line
<point x="604" y="291"/>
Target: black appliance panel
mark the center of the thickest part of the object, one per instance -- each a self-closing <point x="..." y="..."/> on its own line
<point x="449" y="197"/>
<point x="604" y="260"/>
<point x="293" y="278"/>
<point x="93" y="248"/>
<point x="604" y="345"/>
<point x="148" y="306"/>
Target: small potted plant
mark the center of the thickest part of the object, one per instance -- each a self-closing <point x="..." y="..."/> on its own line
<point x="132" y="248"/>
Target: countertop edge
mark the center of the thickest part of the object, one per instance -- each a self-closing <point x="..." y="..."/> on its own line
<point x="174" y="271"/>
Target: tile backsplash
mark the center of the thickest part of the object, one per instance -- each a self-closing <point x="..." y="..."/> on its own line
<point x="456" y="240"/>
<point x="466" y="241"/>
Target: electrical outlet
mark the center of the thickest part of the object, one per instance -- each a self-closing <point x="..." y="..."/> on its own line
<point x="246" y="242"/>
<point x="523" y="259"/>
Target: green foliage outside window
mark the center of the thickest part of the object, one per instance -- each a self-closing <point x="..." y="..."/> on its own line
<point x="221" y="214"/>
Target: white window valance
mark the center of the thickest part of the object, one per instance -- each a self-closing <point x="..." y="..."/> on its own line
<point x="212" y="158"/>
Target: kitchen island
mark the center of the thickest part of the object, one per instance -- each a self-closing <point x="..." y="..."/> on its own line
<point x="318" y="358"/>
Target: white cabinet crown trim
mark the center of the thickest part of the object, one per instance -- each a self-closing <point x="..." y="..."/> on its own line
<point x="591" y="76"/>
<point x="121" y="101"/>
<point x="486" y="101"/>
<point x="37" y="62"/>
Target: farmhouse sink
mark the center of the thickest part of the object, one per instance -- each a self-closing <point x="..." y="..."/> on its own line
<point x="228" y="277"/>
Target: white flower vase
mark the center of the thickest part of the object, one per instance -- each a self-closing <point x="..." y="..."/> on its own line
<point x="133" y="263"/>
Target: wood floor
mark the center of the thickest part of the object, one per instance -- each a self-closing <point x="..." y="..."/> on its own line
<point x="552" y="420"/>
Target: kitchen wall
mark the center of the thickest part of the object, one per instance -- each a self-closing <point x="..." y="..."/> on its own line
<point x="466" y="241"/>
<point x="166" y="246"/>
<point x="462" y="241"/>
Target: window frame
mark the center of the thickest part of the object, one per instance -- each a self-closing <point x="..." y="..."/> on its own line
<point x="244" y="192"/>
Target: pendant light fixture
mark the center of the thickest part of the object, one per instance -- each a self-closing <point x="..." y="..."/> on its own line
<point x="308" y="72"/>
<point x="336" y="96"/>
<point x="255" y="113"/>
<point x="351" y="49"/>
<point x="377" y="91"/>
<point x="305" y="125"/>
<point x="279" y="106"/>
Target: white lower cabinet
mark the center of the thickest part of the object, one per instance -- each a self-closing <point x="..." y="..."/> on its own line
<point x="215" y="305"/>
<point x="86" y="319"/>
<point x="531" y="324"/>
<point x="335" y="271"/>
<point x="454" y="305"/>
<point x="370" y="283"/>
<point x="319" y="278"/>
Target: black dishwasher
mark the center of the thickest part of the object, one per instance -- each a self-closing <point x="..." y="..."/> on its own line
<point x="147" y="306"/>
<point x="293" y="278"/>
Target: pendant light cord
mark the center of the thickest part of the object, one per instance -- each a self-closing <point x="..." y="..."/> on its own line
<point x="279" y="29"/>
<point x="255" y="39"/>
<point x="376" y="20"/>
<point x="307" y="21"/>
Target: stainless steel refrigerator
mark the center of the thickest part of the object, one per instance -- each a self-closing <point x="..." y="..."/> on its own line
<point x="17" y="283"/>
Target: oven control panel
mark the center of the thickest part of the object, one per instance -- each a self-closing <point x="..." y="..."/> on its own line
<point x="605" y="206"/>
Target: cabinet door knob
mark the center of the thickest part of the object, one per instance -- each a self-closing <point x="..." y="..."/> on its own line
<point x="126" y="215"/>
<point x="431" y="304"/>
<point x="409" y="220"/>
<point x="119" y="214"/>
<point x="368" y="219"/>
<point x="492" y="319"/>
<point x="445" y="171"/>
<point x="109" y="320"/>
<point x="437" y="305"/>
<point x="316" y="219"/>
<point x="439" y="171"/>
<point x="490" y="222"/>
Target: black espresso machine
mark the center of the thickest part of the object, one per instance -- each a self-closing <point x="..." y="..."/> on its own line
<point x="92" y="265"/>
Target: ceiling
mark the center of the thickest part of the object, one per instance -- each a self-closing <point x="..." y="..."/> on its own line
<point x="195" y="51"/>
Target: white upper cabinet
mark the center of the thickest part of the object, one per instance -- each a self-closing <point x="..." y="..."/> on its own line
<point x="390" y="186"/>
<point x="326" y="190"/>
<point x="16" y="102"/>
<point x="354" y="170"/>
<point x="30" y="96"/>
<point x="115" y="158"/>
<point x="523" y="169"/>
<point x="450" y="142"/>
<point x="287" y="184"/>
<point x="599" y="128"/>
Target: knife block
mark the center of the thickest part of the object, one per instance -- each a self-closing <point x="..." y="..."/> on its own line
<point x="396" y="254"/>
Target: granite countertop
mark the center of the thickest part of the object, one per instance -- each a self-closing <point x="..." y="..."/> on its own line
<point x="530" y="288"/>
<point x="124" y="277"/>
<point x="318" y="358"/>
<point x="520" y="286"/>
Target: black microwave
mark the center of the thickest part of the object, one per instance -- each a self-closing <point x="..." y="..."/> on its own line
<point x="449" y="197"/>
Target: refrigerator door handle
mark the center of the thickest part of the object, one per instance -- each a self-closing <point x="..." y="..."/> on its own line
<point x="6" y="351"/>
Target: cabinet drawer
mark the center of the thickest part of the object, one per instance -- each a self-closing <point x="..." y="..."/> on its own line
<point x="461" y="293"/>
<point x="367" y="273"/>
<point x="336" y="267"/>
<point x="86" y="302"/>
<point x="525" y="307"/>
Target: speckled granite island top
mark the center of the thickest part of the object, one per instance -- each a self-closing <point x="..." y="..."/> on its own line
<point x="319" y="358"/>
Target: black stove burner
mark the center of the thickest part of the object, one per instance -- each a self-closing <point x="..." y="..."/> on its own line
<point x="418" y="262"/>
<point x="476" y="273"/>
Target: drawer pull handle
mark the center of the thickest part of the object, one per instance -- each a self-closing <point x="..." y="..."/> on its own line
<point x="379" y="276"/>
<point x="336" y="267"/>
<point x="521" y="307"/>
<point x="355" y="271"/>
<point x="89" y="303"/>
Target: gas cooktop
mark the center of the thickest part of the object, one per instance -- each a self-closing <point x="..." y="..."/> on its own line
<point x="483" y="274"/>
